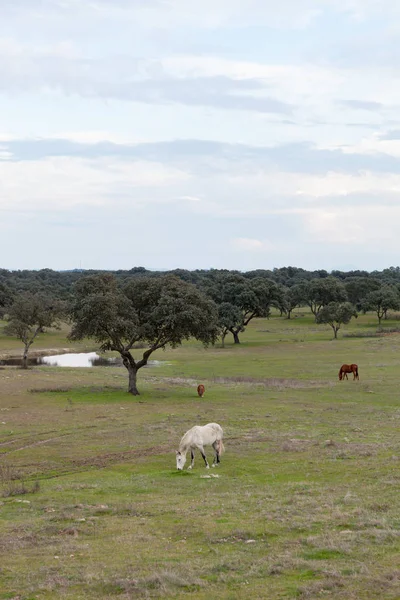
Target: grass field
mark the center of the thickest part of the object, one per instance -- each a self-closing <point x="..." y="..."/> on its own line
<point x="305" y="505"/>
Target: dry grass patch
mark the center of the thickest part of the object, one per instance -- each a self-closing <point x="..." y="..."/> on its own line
<point x="326" y="587"/>
<point x="160" y="584"/>
<point x="274" y="382"/>
<point x="12" y="482"/>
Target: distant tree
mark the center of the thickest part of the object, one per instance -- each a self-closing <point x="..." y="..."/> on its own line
<point x="382" y="300"/>
<point x="6" y="298"/>
<point x="229" y="317"/>
<point x="184" y="274"/>
<point x="322" y="291"/>
<point x="336" y="314"/>
<point x="293" y="298"/>
<point x="279" y="301"/>
<point x="253" y="297"/>
<point x="357" y="289"/>
<point x="138" y="271"/>
<point x="156" y="311"/>
<point x="29" y="315"/>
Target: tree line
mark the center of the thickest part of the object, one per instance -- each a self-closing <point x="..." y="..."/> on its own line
<point x="123" y="311"/>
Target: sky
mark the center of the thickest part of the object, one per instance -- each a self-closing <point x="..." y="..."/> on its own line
<point x="185" y="134"/>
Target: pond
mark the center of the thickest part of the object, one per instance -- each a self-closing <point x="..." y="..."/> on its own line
<point x="74" y="359"/>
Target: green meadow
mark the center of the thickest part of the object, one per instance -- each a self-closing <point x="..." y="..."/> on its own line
<point x="304" y="505"/>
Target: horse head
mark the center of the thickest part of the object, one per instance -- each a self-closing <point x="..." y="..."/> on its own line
<point x="180" y="460"/>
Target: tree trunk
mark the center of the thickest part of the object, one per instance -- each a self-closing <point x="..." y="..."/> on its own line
<point x="313" y="309"/>
<point x="133" y="367"/>
<point x="25" y="357"/>
<point x="132" y="372"/>
<point x="223" y="336"/>
<point x="235" y="337"/>
<point x="335" y="330"/>
<point x="132" y="388"/>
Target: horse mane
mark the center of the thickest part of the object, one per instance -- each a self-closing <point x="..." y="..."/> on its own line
<point x="184" y="444"/>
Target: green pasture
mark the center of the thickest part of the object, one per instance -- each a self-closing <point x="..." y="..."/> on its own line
<point x="304" y="505"/>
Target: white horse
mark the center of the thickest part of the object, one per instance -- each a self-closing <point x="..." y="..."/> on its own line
<point x="198" y="437"/>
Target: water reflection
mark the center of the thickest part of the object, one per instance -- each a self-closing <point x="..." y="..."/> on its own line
<point x="78" y="359"/>
<point x="86" y="359"/>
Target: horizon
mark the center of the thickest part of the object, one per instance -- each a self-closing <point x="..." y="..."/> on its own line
<point x="151" y="270"/>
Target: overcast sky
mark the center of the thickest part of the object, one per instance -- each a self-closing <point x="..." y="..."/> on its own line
<point x="195" y="134"/>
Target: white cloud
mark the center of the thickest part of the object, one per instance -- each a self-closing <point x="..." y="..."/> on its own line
<point x="64" y="183"/>
<point x="251" y="245"/>
<point x="351" y="226"/>
<point x="189" y="199"/>
<point x="336" y="226"/>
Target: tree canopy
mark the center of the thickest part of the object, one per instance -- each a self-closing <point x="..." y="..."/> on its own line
<point x="320" y="292"/>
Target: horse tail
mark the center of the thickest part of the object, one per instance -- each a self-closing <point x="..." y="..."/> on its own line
<point x="221" y="447"/>
<point x="357" y="372"/>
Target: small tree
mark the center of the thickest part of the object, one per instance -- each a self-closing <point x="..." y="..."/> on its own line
<point x="156" y="311"/>
<point x="278" y="299"/>
<point x="293" y="298"/>
<point x="28" y="316"/>
<point x="321" y="292"/>
<point x="357" y="289"/>
<point x="336" y="314"/>
<point x="229" y="317"/>
<point x="252" y="297"/>
<point x="382" y="300"/>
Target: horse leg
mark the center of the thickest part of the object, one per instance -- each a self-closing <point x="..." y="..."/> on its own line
<point x="204" y="456"/>
<point x="345" y="374"/>
<point x="216" y="447"/>
<point x="192" y="461"/>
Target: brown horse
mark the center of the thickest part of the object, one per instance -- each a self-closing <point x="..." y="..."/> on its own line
<point x="200" y="390"/>
<point x="344" y="369"/>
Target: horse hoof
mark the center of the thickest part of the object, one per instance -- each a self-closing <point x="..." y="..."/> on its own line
<point x="189" y="468"/>
<point x="207" y="466"/>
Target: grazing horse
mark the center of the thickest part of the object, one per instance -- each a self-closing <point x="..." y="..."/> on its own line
<point x="198" y="437"/>
<point x="200" y="390"/>
<point x="344" y="369"/>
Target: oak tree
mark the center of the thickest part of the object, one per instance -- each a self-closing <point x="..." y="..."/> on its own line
<point x="336" y="314"/>
<point x="29" y="315"/>
<point x="251" y="297"/>
<point x="382" y="300"/>
<point x="155" y="311"/>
